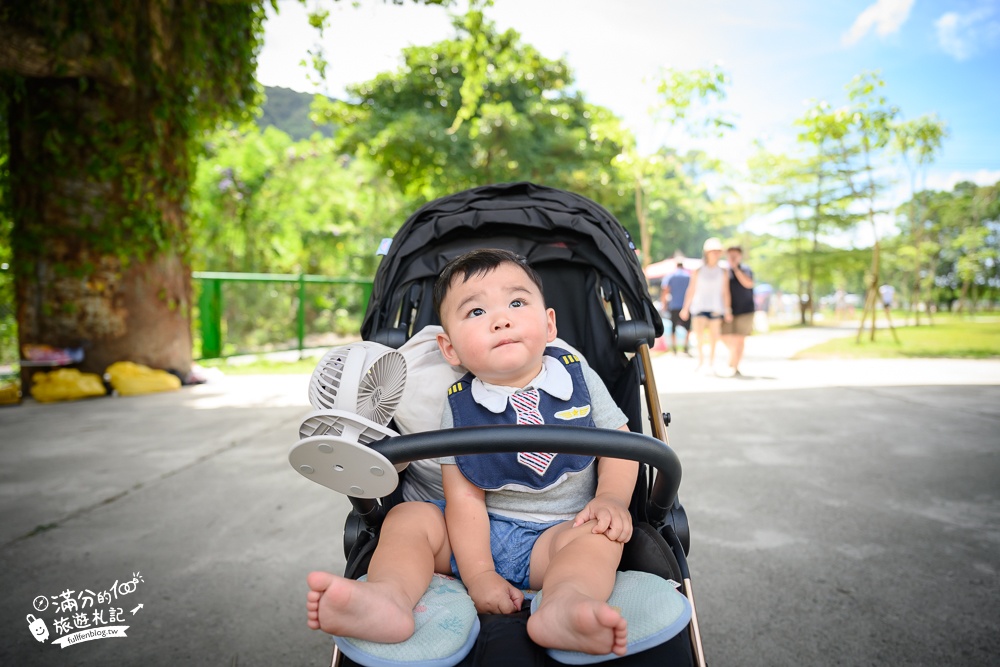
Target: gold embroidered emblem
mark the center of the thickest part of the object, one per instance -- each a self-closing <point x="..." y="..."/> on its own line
<point x="573" y="413"/>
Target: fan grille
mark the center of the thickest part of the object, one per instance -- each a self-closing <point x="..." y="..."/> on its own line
<point x="365" y="378"/>
<point x="326" y="379"/>
<point x="381" y="389"/>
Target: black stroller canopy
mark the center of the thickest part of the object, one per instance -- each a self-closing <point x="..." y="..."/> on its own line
<point x="543" y="224"/>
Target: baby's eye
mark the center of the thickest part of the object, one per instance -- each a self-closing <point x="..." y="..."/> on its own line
<point x="517" y="303"/>
<point x="476" y="312"/>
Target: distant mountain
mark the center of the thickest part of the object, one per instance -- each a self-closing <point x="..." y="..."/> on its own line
<point x="288" y="110"/>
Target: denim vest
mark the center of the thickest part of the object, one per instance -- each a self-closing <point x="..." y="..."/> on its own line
<point x="534" y="470"/>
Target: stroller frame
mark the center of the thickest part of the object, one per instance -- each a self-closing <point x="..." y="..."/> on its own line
<point x="524" y="217"/>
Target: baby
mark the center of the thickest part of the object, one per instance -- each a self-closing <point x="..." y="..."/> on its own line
<point x="553" y="522"/>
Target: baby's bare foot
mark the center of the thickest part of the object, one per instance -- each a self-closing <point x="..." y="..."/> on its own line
<point x="359" y="609"/>
<point x="575" y="622"/>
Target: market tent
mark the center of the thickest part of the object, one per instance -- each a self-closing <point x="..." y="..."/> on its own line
<point x="657" y="270"/>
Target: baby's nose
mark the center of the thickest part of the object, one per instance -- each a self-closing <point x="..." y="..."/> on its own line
<point x="501" y="324"/>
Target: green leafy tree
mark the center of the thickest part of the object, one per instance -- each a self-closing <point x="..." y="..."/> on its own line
<point x="936" y="210"/>
<point x="673" y="207"/>
<point x="690" y="101"/>
<point x="917" y="142"/>
<point x="232" y="228"/>
<point x="807" y="194"/>
<point x="963" y="227"/>
<point x="869" y="121"/>
<point x="264" y="204"/>
<point x="972" y="223"/>
<point x="528" y="124"/>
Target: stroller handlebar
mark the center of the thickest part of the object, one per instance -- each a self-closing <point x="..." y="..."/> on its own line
<point x="556" y="439"/>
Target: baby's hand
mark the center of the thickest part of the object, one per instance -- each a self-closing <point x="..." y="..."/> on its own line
<point x="493" y="594"/>
<point x="612" y="517"/>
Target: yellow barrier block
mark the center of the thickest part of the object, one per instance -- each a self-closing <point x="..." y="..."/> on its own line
<point x="65" y="384"/>
<point x="10" y="392"/>
<point x="131" y="379"/>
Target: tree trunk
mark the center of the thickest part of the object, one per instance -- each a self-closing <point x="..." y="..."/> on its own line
<point x="73" y="287"/>
<point x="917" y="266"/>
<point x="927" y="289"/>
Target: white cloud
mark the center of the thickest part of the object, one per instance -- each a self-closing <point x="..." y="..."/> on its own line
<point x="946" y="181"/>
<point x="885" y="16"/>
<point x="949" y="38"/>
<point x="962" y="35"/>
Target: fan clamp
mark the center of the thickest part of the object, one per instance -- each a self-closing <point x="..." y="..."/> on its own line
<point x="334" y="451"/>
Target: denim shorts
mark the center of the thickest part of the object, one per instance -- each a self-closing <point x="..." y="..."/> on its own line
<point x="511" y="541"/>
<point x="709" y="315"/>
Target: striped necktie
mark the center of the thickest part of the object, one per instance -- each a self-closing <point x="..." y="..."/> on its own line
<point x="525" y="404"/>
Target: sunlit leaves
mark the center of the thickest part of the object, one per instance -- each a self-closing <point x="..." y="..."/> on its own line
<point x="690" y="98"/>
<point x="265" y="204"/>
<point x="417" y="123"/>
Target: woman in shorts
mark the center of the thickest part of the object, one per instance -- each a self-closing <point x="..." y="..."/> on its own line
<point x="707" y="302"/>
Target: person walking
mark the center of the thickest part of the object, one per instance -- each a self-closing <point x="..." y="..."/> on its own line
<point x="736" y="330"/>
<point x="707" y="302"/>
<point x="673" y="289"/>
<point x="887" y="293"/>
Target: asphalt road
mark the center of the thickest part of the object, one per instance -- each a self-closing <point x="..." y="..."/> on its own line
<point x="842" y="513"/>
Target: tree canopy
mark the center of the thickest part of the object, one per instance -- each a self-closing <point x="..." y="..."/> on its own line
<point x="528" y="122"/>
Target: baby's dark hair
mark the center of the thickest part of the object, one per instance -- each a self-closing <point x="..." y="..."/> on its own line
<point x="476" y="263"/>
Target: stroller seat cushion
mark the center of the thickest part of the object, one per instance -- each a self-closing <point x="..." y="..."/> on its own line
<point x="656" y="612"/>
<point x="445" y="632"/>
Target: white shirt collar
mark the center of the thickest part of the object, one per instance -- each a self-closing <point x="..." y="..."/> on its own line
<point x="553" y="379"/>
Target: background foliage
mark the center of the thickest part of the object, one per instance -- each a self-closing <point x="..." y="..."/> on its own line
<point x="313" y="190"/>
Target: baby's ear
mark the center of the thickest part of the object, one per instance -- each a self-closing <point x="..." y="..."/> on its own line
<point x="550" y="327"/>
<point x="448" y="350"/>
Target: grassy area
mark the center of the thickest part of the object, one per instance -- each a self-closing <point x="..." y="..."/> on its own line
<point x="260" y="366"/>
<point x="952" y="338"/>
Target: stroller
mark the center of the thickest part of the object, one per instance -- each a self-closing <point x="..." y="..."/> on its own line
<point x="593" y="280"/>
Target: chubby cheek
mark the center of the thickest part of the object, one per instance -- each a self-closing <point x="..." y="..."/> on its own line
<point x="474" y="345"/>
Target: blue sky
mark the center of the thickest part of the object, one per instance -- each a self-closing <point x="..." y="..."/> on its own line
<point x="936" y="57"/>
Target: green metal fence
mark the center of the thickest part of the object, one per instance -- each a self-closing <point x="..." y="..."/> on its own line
<point x="224" y="308"/>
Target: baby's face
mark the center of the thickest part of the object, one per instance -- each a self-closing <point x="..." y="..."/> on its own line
<point x="497" y="326"/>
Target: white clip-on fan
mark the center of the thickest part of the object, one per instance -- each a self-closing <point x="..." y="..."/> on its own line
<point x="355" y="390"/>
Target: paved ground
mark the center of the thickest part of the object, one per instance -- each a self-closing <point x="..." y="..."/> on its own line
<point x="842" y="513"/>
